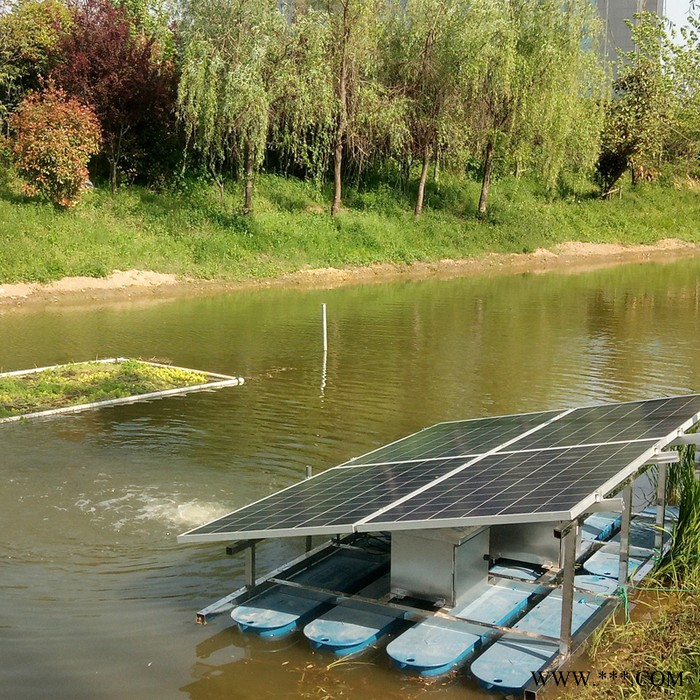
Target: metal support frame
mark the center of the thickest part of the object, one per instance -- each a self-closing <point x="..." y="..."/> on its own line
<point x="309" y="474"/>
<point x="607" y="505"/>
<point x="247" y="546"/>
<point x="567" y="601"/>
<point x="660" y="507"/>
<point x="250" y="565"/>
<point x="688" y="439"/>
<point x="625" y="536"/>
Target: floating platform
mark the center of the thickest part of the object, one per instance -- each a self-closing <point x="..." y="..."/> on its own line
<point x="213" y="381"/>
<point x="471" y="531"/>
<point x="351" y="627"/>
<point x="507" y="665"/>
<point x="280" y="610"/>
<point x="600" y="526"/>
<point x="283" y="608"/>
<point x="436" y="645"/>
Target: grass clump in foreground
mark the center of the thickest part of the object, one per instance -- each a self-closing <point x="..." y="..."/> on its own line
<point x="662" y="639"/>
<point x="83" y="383"/>
<point x="194" y="232"/>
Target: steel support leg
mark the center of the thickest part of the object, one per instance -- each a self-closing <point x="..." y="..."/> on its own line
<point x="625" y="536"/>
<point x="660" y="507"/>
<point x="567" y="585"/>
<point x="250" y="566"/>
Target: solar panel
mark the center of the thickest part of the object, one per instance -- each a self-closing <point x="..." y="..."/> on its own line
<point x="517" y="468"/>
<point x="331" y="502"/>
<point x="623" y="422"/>
<point x="456" y="439"/>
<point x="550" y="482"/>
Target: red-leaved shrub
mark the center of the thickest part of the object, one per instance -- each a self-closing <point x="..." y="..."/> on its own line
<point x="54" y="138"/>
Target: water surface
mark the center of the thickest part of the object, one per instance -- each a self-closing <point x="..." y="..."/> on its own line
<point x="96" y="598"/>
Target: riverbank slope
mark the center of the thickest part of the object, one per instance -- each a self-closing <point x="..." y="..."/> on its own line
<point x="199" y="239"/>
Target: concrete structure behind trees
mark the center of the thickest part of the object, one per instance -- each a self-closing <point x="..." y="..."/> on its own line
<point x="617" y="35"/>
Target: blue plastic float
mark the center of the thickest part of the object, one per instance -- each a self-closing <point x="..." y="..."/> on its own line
<point x="508" y="664"/>
<point x="350" y="628"/>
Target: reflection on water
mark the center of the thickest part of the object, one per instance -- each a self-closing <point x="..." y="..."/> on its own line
<point x="97" y="599"/>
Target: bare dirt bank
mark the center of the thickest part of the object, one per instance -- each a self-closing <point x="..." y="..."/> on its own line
<point x="137" y="285"/>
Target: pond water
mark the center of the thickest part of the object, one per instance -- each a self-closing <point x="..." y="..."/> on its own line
<point x="96" y="598"/>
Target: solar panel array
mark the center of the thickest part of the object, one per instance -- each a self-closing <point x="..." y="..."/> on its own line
<point x="515" y="468"/>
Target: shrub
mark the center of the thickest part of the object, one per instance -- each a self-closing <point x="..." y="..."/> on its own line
<point x="55" y="136"/>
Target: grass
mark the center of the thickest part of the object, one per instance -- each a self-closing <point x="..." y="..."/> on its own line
<point x="196" y="233"/>
<point x="76" y="384"/>
<point x="663" y="636"/>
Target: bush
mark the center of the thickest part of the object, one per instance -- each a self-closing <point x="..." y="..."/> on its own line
<point x="55" y="136"/>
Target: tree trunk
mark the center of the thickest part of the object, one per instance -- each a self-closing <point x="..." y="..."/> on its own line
<point x="486" y="182"/>
<point x="337" y="179"/>
<point x="113" y="175"/>
<point x="249" y="167"/>
<point x="342" y="118"/>
<point x="421" y="183"/>
<point x="116" y="151"/>
<point x="436" y="163"/>
<point x="339" y="137"/>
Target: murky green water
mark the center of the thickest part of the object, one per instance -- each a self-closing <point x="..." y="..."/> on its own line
<point x="96" y="598"/>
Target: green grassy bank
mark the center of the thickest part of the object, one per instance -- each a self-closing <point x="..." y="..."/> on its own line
<point x="196" y="233"/>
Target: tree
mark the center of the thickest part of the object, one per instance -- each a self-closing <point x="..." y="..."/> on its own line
<point x="353" y="62"/>
<point x="302" y="121"/>
<point x="540" y="86"/>
<point x="682" y="145"/>
<point x="433" y="62"/>
<point x="113" y="66"/>
<point x="30" y="34"/>
<point x="228" y="82"/>
<point x="55" y="136"/>
<point x="640" y="113"/>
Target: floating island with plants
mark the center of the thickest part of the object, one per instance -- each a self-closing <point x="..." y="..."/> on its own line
<point x="77" y="386"/>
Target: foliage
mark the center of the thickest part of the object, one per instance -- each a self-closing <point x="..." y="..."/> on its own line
<point x="433" y="60"/>
<point x="360" y="90"/>
<point x="75" y="384"/>
<point x="641" y="112"/>
<point x="682" y="144"/>
<point x="227" y="83"/>
<point x="302" y="120"/>
<point x="152" y="18"/>
<point x="29" y="38"/>
<point x="540" y="87"/>
<point x="55" y="136"/>
<point x="684" y="489"/>
<point x="119" y="71"/>
<point x="561" y="88"/>
<point x="353" y="62"/>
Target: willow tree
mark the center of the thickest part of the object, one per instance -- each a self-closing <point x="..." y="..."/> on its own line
<point x="540" y="87"/>
<point x="433" y="60"/>
<point x="353" y="62"/>
<point x="493" y="101"/>
<point x="303" y="115"/>
<point x="561" y="88"/>
<point x="228" y="82"/>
